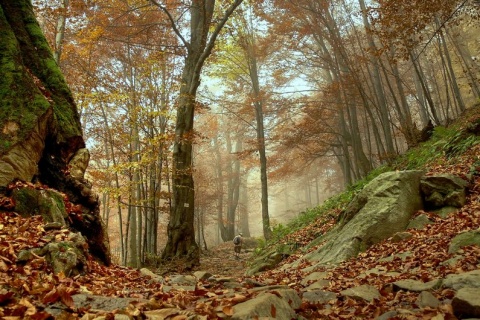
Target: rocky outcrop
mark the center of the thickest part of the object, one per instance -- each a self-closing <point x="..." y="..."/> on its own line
<point x="444" y="190"/>
<point x="383" y="208"/>
<point x="82" y="216"/>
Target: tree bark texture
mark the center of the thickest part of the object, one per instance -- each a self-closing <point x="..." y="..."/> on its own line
<point x="41" y="130"/>
<point x="181" y="232"/>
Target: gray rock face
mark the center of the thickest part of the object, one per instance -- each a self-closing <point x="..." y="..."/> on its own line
<point x="426" y="299"/>
<point x="463" y="280"/>
<point x="464" y="239"/>
<point x="419" y="222"/>
<point x="265" y="306"/>
<point x="415" y="285"/>
<point x="444" y="190"/>
<point x="401" y="236"/>
<point x="363" y="292"/>
<point x="466" y="303"/>
<point x="383" y="208"/>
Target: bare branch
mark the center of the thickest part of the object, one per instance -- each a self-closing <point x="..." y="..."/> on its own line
<point x="216" y="32"/>
<point x="172" y="22"/>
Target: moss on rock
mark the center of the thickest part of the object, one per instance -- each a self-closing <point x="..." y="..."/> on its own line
<point x="21" y="101"/>
<point x="32" y="82"/>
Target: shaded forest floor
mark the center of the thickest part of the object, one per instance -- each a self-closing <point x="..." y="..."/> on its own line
<point x="220" y="260"/>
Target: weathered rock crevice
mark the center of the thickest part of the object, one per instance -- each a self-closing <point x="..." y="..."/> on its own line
<point x="40" y="130"/>
<point x="21" y="161"/>
<point x="383" y="209"/>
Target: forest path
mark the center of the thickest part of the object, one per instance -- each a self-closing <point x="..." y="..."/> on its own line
<point x="221" y="261"/>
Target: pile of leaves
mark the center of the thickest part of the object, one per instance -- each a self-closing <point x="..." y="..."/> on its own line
<point x="423" y="257"/>
<point x="29" y="289"/>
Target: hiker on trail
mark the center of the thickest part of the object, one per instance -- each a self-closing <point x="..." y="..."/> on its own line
<point x="237" y="241"/>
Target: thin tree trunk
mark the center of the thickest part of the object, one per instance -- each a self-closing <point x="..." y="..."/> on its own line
<point x="453" y="79"/>
<point x="243" y="208"/>
<point x="425" y="90"/>
<point x="470" y="67"/>
<point x="377" y="82"/>
<point x="60" y="30"/>
<point x="108" y="134"/>
<point x="258" y="105"/>
<point x="219" y="190"/>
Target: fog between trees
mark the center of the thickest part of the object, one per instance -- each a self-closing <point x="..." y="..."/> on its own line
<point x="371" y="81"/>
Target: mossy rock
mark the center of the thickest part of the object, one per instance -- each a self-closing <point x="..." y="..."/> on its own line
<point x="464" y="239"/>
<point x="419" y="222"/>
<point x="47" y="203"/>
<point x="31" y="81"/>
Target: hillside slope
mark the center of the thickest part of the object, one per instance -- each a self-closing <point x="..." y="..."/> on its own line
<point x="30" y="290"/>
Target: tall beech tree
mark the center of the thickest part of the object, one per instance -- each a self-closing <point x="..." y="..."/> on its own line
<point x="204" y="28"/>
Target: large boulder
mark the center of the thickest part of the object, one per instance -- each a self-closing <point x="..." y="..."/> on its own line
<point x="383" y="208"/>
<point x="443" y="190"/>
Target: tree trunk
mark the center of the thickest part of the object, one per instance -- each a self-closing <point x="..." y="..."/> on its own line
<point x="426" y="92"/>
<point x="377" y="84"/>
<point x="258" y="103"/>
<point x="181" y="233"/>
<point x="453" y="78"/>
<point x="60" y="32"/>
<point x="40" y="121"/>
<point x="243" y="208"/>
<point x="219" y="189"/>
<point x="471" y="68"/>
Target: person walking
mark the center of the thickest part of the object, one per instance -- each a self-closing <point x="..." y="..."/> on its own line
<point x="238" y="241"/>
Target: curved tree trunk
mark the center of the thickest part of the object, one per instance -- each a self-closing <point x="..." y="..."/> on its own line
<point x="40" y="124"/>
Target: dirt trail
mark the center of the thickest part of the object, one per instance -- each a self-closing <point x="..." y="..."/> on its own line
<point x="220" y="261"/>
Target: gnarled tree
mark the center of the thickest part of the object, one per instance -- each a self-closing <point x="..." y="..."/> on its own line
<point x="40" y="127"/>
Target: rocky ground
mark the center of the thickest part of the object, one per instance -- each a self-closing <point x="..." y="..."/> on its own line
<point x="416" y="275"/>
<point x="220" y="260"/>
